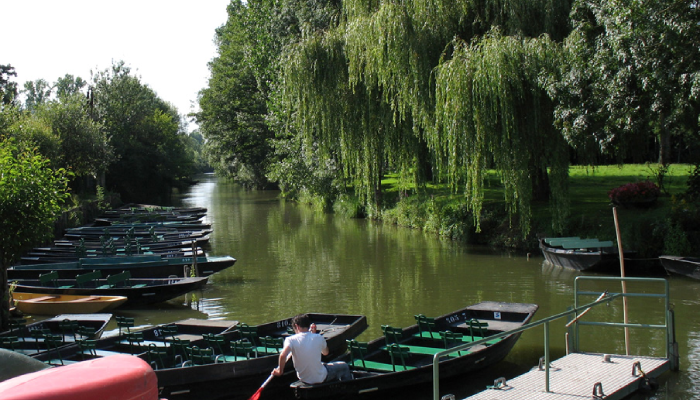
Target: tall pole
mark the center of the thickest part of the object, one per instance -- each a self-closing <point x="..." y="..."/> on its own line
<point x="624" y="284"/>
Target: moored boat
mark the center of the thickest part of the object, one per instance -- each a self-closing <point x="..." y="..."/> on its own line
<point x="117" y="377"/>
<point x="29" y="339"/>
<point x="140" y="266"/>
<point x="54" y="304"/>
<point x="685" y="266"/>
<point x="190" y="359"/>
<point x="138" y="291"/>
<point x="404" y="357"/>
<point x="583" y="254"/>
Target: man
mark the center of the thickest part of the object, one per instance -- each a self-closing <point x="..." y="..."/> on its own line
<point x="306" y="348"/>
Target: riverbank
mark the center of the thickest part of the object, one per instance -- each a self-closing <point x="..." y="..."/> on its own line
<point x="669" y="225"/>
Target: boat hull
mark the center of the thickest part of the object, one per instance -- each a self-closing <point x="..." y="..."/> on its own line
<point x="513" y="315"/>
<point x="156" y="290"/>
<point x="606" y="259"/>
<point x="30" y="345"/>
<point x="48" y="304"/>
<point x="197" y="381"/>
<point x="116" y="377"/>
<point x="138" y="266"/>
<point x="685" y="266"/>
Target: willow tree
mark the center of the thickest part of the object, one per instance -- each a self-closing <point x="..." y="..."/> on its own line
<point x="491" y="113"/>
<point x="367" y="91"/>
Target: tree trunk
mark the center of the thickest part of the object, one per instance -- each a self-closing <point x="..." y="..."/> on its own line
<point x="665" y="155"/>
<point x="540" y="185"/>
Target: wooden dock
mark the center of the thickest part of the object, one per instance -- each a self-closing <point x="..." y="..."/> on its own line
<point x="580" y="376"/>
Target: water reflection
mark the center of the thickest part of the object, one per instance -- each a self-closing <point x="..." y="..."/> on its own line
<point x="293" y="259"/>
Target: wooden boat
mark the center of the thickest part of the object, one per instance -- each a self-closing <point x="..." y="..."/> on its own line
<point x="685" y="266"/>
<point x="583" y="254"/>
<point x="404" y="357"/>
<point x="29" y="339"/>
<point x="140" y="266"/>
<point x="138" y="291"/>
<point x="53" y="255"/>
<point x="117" y="377"/>
<point x="54" y="304"/>
<point x="190" y="358"/>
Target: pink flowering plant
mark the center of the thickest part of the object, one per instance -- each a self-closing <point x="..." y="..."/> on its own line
<point x="635" y="192"/>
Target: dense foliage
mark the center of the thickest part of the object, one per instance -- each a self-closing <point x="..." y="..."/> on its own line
<point x="444" y="90"/>
<point x="31" y="197"/>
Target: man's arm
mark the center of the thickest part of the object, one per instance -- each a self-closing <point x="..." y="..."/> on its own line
<point x="282" y="360"/>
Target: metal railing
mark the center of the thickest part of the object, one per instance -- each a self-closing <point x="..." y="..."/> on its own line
<point x="574" y="315"/>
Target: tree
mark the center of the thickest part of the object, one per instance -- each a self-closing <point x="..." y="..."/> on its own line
<point x="627" y="76"/>
<point x="375" y="92"/>
<point x="145" y="133"/>
<point x="8" y="89"/>
<point x="31" y="198"/>
<point x="235" y="117"/>
<point x="84" y="147"/>
<point x="69" y="85"/>
<point x="37" y="93"/>
<point x="233" y="106"/>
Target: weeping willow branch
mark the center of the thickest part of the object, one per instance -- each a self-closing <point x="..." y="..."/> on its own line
<point x="491" y="113"/>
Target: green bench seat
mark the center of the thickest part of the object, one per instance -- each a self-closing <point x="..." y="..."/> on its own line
<point x="51" y="279"/>
<point x="398" y="354"/>
<point x="123" y="279"/>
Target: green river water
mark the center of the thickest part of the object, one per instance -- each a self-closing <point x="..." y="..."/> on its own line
<point x="292" y="259"/>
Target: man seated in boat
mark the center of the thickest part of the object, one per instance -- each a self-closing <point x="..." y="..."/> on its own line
<point x="306" y="347"/>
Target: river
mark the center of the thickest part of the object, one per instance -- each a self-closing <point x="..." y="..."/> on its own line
<point x="292" y="259"/>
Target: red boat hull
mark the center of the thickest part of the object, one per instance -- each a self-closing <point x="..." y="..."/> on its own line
<point x="118" y="377"/>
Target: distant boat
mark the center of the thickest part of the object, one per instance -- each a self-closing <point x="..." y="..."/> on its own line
<point x="140" y="266"/>
<point x="116" y="377"/>
<point x="54" y="304"/>
<point x="57" y="255"/>
<point x="582" y="254"/>
<point x="138" y="291"/>
<point x="686" y="266"/>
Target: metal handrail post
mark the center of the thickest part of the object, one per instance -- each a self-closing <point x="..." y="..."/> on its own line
<point x="546" y="357"/>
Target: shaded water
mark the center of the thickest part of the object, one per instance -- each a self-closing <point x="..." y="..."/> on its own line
<point x="292" y="259"/>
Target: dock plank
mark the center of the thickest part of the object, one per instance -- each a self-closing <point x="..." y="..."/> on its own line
<point x="574" y="376"/>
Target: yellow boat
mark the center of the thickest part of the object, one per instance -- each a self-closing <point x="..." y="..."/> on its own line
<point x="52" y="304"/>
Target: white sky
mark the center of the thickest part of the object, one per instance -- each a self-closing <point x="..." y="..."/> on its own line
<point x="167" y="43"/>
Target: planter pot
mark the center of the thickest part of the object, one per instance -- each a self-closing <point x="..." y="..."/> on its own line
<point x="645" y="203"/>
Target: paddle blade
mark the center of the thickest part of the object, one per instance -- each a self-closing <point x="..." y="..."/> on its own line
<point x="256" y="395"/>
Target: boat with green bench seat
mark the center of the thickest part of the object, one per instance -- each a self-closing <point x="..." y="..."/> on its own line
<point x="192" y="356"/>
<point x="404" y="356"/>
<point x="583" y="254"/>
<point x="29" y="338"/>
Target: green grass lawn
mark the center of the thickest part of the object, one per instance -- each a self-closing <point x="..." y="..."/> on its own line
<point x="590" y="207"/>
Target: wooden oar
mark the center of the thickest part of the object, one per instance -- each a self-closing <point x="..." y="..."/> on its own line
<point x="586" y="310"/>
<point x="256" y="395"/>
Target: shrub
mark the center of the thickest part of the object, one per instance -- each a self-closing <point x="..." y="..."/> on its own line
<point x="635" y="192"/>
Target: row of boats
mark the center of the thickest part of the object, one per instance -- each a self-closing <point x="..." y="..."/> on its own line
<point x="194" y="357"/>
<point x="602" y="256"/>
<point x="134" y="256"/>
<point x="132" y="259"/>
